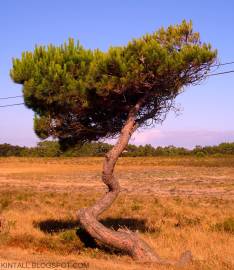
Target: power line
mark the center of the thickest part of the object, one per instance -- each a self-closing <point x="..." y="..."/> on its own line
<point x="220" y="73"/>
<point x="10" y="97"/>
<point x="223" y="64"/>
<point x="10" y="105"/>
<point x="212" y="74"/>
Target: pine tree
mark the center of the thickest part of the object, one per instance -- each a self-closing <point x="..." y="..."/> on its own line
<point x="79" y="95"/>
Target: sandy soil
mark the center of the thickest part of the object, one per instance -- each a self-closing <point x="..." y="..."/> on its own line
<point x="86" y="176"/>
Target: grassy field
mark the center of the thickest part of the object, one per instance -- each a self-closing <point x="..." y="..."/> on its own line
<point x="173" y="203"/>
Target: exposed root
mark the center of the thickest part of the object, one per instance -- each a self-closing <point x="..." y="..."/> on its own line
<point x="127" y="241"/>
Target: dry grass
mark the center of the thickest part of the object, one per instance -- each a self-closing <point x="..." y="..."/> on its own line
<point x="174" y="203"/>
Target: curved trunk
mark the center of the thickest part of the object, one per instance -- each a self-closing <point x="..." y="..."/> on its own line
<point x="124" y="240"/>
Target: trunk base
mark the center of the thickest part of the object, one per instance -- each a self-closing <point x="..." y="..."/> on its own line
<point x="126" y="241"/>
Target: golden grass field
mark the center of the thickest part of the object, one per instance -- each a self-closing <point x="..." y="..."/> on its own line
<point x="174" y="203"/>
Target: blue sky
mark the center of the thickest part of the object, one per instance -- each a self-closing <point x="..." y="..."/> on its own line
<point x="207" y="110"/>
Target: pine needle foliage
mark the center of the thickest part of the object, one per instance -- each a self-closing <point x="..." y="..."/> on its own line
<point x="81" y="95"/>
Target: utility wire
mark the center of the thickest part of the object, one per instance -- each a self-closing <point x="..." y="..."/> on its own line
<point x="212" y="74"/>
<point x="10" y="105"/>
<point x="220" y="73"/>
<point x="10" y="97"/>
<point x="223" y="64"/>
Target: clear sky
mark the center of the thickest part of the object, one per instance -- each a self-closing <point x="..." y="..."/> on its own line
<point x="207" y="110"/>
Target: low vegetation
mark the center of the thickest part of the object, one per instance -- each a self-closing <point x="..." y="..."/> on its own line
<point x="226" y="226"/>
<point x="177" y="203"/>
<point x="52" y="149"/>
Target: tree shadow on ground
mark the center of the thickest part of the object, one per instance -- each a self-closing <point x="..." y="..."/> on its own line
<point x="52" y="226"/>
<point x="57" y="225"/>
<point x="132" y="224"/>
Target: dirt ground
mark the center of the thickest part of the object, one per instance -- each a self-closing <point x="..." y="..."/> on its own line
<point x="174" y="204"/>
<point x="136" y="175"/>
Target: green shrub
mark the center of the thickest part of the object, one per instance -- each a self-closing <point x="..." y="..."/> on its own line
<point x="5" y="201"/>
<point x="200" y="154"/>
<point x="68" y="235"/>
<point x="226" y="226"/>
<point x="136" y="206"/>
<point x="187" y="221"/>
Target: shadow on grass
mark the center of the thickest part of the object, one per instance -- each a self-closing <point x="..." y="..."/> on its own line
<point x="133" y="224"/>
<point x="52" y="226"/>
<point x="55" y="225"/>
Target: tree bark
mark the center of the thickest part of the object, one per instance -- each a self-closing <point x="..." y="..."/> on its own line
<point x="123" y="239"/>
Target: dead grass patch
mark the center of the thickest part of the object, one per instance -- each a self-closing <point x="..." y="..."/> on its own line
<point x="174" y="204"/>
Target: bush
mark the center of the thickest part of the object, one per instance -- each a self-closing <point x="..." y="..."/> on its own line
<point x="99" y="149"/>
<point x="226" y="226"/>
<point x="200" y="154"/>
<point x="68" y="235"/>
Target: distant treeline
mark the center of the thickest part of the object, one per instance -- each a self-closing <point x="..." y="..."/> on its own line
<point x="52" y="149"/>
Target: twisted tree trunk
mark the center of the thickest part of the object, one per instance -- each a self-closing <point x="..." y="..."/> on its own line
<point x="124" y="240"/>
